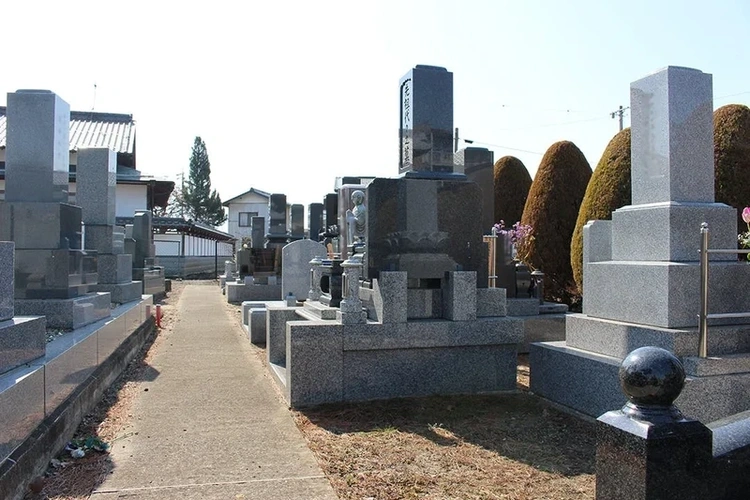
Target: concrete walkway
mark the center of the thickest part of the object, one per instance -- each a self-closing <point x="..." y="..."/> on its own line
<point x="210" y="425"/>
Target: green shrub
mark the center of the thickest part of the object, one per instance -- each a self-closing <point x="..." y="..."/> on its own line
<point x="608" y="190"/>
<point x="512" y="183"/>
<point x="552" y="209"/>
<point x="732" y="158"/>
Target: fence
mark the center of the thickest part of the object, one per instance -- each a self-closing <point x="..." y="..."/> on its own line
<point x="704" y="316"/>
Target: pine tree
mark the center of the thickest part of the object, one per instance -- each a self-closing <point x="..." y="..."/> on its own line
<point x="202" y="204"/>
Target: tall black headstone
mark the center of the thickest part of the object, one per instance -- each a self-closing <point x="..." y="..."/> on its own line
<point x="298" y="221"/>
<point x="426" y="122"/>
<point x="478" y="165"/>
<point x="331" y="203"/>
<point x="315" y="220"/>
<point x="429" y="220"/>
<point x="258" y="234"/>
<point x="277" y="227"/>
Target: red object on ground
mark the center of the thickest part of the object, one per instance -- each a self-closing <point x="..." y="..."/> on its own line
<point x="158" y="316"/>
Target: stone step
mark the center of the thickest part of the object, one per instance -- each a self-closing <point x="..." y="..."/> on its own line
<point x="728" y="364"/>
<point x="321" y="311"/>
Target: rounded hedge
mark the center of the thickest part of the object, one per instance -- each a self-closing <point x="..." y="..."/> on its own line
<point x="732" y="158"/>
<point x="511" y="183"/>
<point x="551" y="210"/>
<point x="608" y="190"/>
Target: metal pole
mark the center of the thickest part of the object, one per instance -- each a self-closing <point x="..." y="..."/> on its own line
<point x="703" y="318"/>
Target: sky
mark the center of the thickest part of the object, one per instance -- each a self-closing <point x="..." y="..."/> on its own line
<point x="289" y="95"/>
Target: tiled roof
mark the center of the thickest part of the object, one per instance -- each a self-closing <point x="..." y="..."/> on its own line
<point x="90" y="129"/>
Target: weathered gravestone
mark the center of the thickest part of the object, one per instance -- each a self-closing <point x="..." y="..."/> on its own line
<point x="144" y="255"/>
<point x="52" y="272"/>
<point x="21" y="338"/>
<point x="96" y="181"/>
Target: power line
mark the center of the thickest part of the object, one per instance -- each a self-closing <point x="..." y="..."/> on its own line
<point x="469" y="141"/>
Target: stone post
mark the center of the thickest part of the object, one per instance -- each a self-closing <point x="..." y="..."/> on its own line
<point x="7" y="249"/>
<point x="315" y="275"/>
<point x="351" y="305"/>
<point x="229" y="269"/>
<point x="648" y="450"/>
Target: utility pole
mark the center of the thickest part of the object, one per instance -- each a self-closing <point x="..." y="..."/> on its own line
<point x="619" y="113"/>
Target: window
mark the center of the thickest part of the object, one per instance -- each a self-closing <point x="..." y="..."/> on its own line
<point x="246" y="218"/>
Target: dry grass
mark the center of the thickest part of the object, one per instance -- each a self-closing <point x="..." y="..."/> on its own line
<point x="506" y="446"/>
<point x="459" y="447"/>
<point x="109" y="421"/>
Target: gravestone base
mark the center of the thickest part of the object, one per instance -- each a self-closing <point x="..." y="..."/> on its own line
<point x="121" y="293"/>
<point x="152" y="279"/>
<point x="22" y="339"/>
<point x="588" y="382"/>
<point x="669" y="296"/>
<point x="240" y="292"/>
<point x="115" y="268"/>
<point x="67" y="314"/>
<point x="333" y="362"/>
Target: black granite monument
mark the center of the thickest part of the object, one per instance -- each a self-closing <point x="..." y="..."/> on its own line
<point x="426" y="131"/>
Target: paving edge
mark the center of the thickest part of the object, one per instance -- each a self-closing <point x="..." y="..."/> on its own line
<point x="32" y="457"/>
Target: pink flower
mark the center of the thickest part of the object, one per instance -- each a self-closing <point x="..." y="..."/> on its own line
<point x="746" y="215"/>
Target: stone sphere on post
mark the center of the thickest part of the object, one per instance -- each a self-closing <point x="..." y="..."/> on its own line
<point x="652" y="378"/>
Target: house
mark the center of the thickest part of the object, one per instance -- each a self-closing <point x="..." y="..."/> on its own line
<point x="242" y="208"/>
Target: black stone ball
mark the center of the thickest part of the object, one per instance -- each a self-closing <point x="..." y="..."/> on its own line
<point x="652" y="376"/>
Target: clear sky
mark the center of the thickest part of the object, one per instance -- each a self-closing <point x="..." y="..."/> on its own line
<point x="288" y="95"/>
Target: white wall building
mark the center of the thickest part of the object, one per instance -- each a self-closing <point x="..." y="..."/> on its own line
<point x="242" y="209"/>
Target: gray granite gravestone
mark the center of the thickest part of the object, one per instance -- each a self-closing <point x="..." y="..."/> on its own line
<point x="21" y="338"/>
<point x="37" y="147"/>
<point x="315" y="220"/>
<point x="52" y="273"/>
<point x="295" y="273"/>
<point x="96" y="181"/>
<point x="426" y="122"/>
<point x="642" y="271"/>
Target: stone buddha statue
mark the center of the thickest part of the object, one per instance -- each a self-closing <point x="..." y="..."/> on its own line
<point x="356" y="219"/>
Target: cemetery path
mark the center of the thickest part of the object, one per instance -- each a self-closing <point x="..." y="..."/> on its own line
<point x="208" y="424"/>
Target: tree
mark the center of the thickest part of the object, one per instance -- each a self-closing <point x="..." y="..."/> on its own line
<point x="202" y="204"/>
<point x="732" y="158"/>
<point x="551" y="210"/>
<point x="608" y="190"/>
<point x="512" y="183"/>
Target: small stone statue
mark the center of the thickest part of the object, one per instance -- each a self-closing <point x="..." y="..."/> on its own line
<point x="356" y="219"/>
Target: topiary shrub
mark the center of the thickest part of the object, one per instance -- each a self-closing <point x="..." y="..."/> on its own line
<point x="608" y="190"/>
<point x="732" y="158"/>
<point x="552" y="209"/>
<point x="512" y="183"/>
